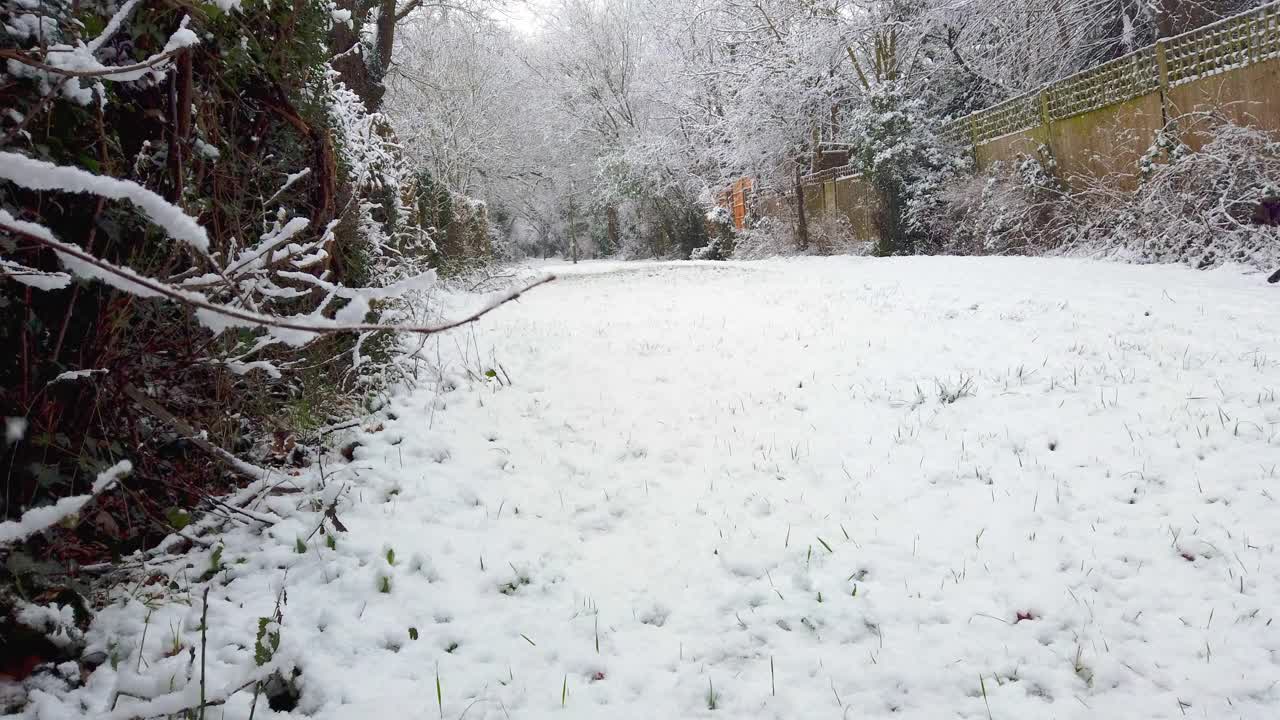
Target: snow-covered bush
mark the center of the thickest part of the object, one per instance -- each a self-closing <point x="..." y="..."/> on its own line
<point x="896" y="147"/>
<point x="720" y="228"/>
<point x="1011" y="209"/>
<point x="206" y="242"/>
<point x="1218" y="204"/>
<point x="770" y="236"/>
<point x="1203" y="207"/>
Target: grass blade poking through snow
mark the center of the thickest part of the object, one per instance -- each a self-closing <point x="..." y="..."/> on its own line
<point x="204" y="644"/>
<point x="564" y="691"/>
<point x="439" y="691"/>
<point x="983" y="683"/>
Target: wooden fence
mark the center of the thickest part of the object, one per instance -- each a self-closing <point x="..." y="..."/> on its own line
<point x="1102" y="120"/>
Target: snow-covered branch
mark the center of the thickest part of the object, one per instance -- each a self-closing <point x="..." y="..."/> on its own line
<point x="42" y="518"/>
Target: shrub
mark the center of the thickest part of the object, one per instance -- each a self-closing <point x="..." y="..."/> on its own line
<point x="1203" y="207"/>
<point x="1012" y="209"/>
<point x="721" y="231"/>
<point x="831" y="233"/>
<point x="897" y="149"/>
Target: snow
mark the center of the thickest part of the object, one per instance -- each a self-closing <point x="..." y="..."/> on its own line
<point x="31" y="277"/>
<point x="183" y="37"/>
<point x="210" y="152"/>
<point x="15" y="428"/>
<point x="72" y="375"/>
<point x="69" y="60"/>
<point x="113" y="26"/>
<point x="907" y="488"/>
<point x="41" y="518"/>
<point x="57" y="622"/>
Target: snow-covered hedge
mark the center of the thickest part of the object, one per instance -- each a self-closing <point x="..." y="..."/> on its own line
<point x="1218" y="204"/>
<point x="206" y="240"/>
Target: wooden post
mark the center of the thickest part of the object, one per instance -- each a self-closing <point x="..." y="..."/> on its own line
<point x="1046" y="119"/>
<point x="1162" y="63"/>
<point x="802" y="223"/>
<point x="973" y="141"/>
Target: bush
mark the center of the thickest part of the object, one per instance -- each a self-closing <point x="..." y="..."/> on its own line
<point x="299" y="192"/>
<point x="1203" y="207"/>
<point x="1009" y="210"/>
<point x="832" y="234"/>
<point x="770" y="236"/>
<point x="721" y="230"/>
<point x="897" y="149"/>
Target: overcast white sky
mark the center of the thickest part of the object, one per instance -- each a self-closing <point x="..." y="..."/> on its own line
<point x="524" y="15"/>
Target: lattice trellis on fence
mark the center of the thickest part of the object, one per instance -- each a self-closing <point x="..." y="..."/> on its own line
<point x="1122" y="79"/>
<point x="828" y="175"/>
<point x="957" y="132"/>
<point x="1010" y="116"/>
<point x="1232" y="43"/>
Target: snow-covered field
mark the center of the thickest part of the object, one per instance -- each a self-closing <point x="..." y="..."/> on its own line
<point x="821" y="488"/>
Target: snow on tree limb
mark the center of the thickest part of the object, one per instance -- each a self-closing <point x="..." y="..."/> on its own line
<point x="42" y="518"/>
<point x="40" y="175"/>
<point x="38" y="279"/>
<point x="113" y="25"/>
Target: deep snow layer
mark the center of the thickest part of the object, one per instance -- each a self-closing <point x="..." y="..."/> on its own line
<point x="838" y="488"/>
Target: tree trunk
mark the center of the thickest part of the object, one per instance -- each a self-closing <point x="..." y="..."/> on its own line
<point x="611" y="228"/>
<point x="363" y="75"/>
<point x="802" y="225"/>
<point x="815" y="164"/>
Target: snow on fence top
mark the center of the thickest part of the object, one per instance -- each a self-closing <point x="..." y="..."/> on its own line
<point x="835" y="173"/>
<point x="1233" y="42"/>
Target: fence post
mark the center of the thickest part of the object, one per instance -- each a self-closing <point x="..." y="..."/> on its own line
<point x="973" y="140"/>
<point x="1162" y="63"/>
<point x="1046" y="119"/>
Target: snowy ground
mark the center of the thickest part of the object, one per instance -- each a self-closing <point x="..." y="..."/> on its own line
<point x="839" y="488"/>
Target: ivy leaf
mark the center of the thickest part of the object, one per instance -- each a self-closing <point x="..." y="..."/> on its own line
<point x="179" y="519"/>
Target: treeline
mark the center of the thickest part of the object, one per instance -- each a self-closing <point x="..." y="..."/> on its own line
<point x="612" y="127"/>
